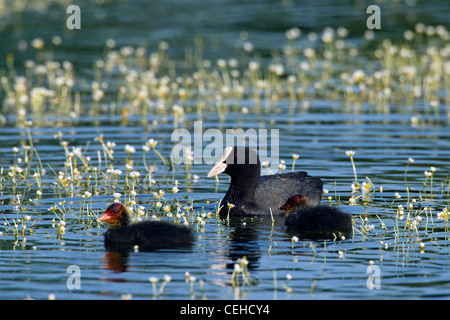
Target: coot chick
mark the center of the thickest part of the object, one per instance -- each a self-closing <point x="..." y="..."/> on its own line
<point x="315" y="219"/>
<point x="253" y="194"/>
<point x="146" y="235"/>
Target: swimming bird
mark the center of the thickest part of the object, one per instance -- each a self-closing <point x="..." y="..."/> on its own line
<point x="251" y="194"/>
<point x="316" y="219"/>
<point x="146" y="235"/>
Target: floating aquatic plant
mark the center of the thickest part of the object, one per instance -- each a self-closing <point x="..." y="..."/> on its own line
<point x="409" y="74"/>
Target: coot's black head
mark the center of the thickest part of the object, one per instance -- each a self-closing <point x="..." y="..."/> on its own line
<point x="238" y="162"/>
<point x="116" y="215"/>
<point x="294" y="203"/>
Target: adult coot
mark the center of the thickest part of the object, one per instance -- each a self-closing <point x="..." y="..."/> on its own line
<point x="251" y="194"/>
<point x="316" y="219"/>
<point x="146" y="235"/>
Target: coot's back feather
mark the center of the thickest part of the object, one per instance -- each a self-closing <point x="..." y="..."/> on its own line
<point x="303" y="217"/>
<point x="271" y="190"/>
<point x="149" y="234"/>
<point x="253" y="194"/>
<point x="320" y="219"/>
<point x="146" y="235"/>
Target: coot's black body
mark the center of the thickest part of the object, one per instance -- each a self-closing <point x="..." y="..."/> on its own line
<point x="251" y="194"/>
<point x="145" y="235"/>
<point x="320" y="219"/>
<point x="317" y="219"/>
<point x="154" y="234"/>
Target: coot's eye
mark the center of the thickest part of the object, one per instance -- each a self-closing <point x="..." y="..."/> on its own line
<point x="235" y="155"/>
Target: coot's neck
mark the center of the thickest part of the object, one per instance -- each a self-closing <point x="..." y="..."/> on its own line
<point x="242" y="187"/>
<point x="123" y="221"/>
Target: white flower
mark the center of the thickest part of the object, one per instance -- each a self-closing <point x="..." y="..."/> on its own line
<point x="130" y="149"/>
<point x="135" y="174"/>
<point x="117" y="195"/>
<point x="253" y="66"/>
<point x="358" y="75"/>
<point x="153" y="279"/>
<point x="62" y="227"/>
<point x="37" y="43"/>
<point x="365" y="187"/>
<point x="222" y="63"/>
<point x="248" y="46"/>
<point x="350" y="153"/>
<point x="328" y="35"/>
<point x="110" y="144"/>
<point x="309" y="52"/>
<point x="342" y="32"/>
<point x="98" y="94"/>
<point x="76" y="151"/>
<point x="355" y="187"/>
<point x="152" y="143"/>
<point x="443" y="215"/>
<point x="87" y="194"/>
<point x="293" y="33"/>
<point x="177" y="110"/>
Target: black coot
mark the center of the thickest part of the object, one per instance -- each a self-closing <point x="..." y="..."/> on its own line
<point x="315" y="219"/>
<point x="251" y="194"/>
<point x="146" y="235"/>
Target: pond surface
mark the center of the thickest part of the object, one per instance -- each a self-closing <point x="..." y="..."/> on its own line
<point x="400" y="244"/>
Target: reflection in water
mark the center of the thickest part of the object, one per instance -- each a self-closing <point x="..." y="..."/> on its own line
<point x="245" y="233"/>
<point x="117" y="258"/>
<point x="116" y="261"/>
<point x="243" y="236"/>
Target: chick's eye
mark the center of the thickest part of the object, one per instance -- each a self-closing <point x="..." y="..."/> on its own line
<point x="116" y="211"/>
